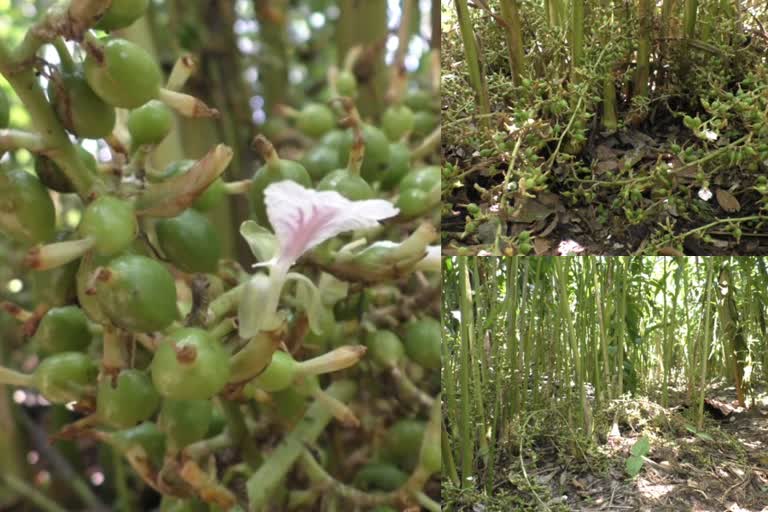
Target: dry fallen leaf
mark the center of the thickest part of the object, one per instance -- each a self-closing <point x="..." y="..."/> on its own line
<point x="541" y="246"/>
<point x="727" y="201"/>
<point x="669" y="251"/>
<point x="607" y="166"/>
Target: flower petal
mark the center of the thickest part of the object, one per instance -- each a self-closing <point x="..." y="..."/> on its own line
<point x="258" y="306"/>
<point x="303" y="218"/>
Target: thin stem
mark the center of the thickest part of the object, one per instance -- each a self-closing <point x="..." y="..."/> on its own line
<point x="267" y="478"/>
<point x="428" y="145"/>
<point x="67" y="64"/>
<point x="467" y="331"/>
<point x="407" y="385"/>
<point x="54" y="138"/>
<point x="124" y="495"/>
<point x="224" y="304"/>
<point x="17" y="139"/>
<point x="427" y="502"/>
<point x="35" y="496"/>
<point x="514" y="35"/>
<point x="207" y="446"/>
<point x="473" y="60"/>
<point x="13" y="378"/>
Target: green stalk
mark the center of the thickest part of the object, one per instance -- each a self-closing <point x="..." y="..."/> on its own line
<point x="689" y="32"/>
<point x="10" y="377"/>
<point x="467" y="443"/>
<point x="556" y="13"/>
<point x="602" y="334"/>
<point x="365" y="23"/>
<point x="448" y="461"/>
<point x="11" y="446"/>
<point x="55" y="140"/>
<point x="575" y="146"/>
<point x="667" y="16"/>
<point x="268" y="477"/>
<point x="610" y="118"/>
<point x="449" y="382"/>
<point x="35" y="496"/>
<point x="521" y="338"/>
<point x="480" y="371"/>
<point x="514" y="35"/>
<point x="667" y="348"/>
<point x="272" y="34"/>
<point x="577" y="33"/>
<point x="645" y="17"/>
<point x="473" y="61"/>
<point x="511" y="332"/>
<point x="707" y="332"/>
<point x="621" y="320"/>
<point x="562" y="269"/>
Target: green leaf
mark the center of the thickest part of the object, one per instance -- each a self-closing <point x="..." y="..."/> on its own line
<point x="704" y="436"/>
<point x="262" y="241"/>
<point x="634" y="465"/>
<point x="641" y="447"/>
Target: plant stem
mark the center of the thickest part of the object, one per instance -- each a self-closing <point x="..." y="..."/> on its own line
<point x="364" y="24"/>
<point x="513" y="33"/>
<point x="35" y="496"/>
<point x="645" y="17"/>
<point x="54" y="138"/>
<point x="13" y="378"/>
<point x="472" y="57"/>
<point x="428" y="145"/>
<point x="124" y="495"/>
<point x="705" y="349"/>
<point x="265" y="480"/>
<point x="467" y="330"/>
<point x="689" y="32"/>
<point x="224" y="304"/>
<point x="17" y="139"/>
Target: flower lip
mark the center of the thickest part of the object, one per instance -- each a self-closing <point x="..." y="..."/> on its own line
<point x="303" y="218"/>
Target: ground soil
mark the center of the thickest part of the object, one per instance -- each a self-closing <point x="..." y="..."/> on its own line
<point x="723" y="467"/>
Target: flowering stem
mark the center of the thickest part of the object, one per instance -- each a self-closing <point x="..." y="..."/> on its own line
<point x="336" y="407"/>
<point x="427" y="502"/>
<point x="267" y="478"/>
<point x="17" y="139"/>
<point x="70" y="19"/>
<point x="407" y="385"/>
<point x="207" y="446"/>
<point x="222" y="329"/>
<point x="14" y="378"/>
<point x="225" y="303"/>
<point x="112" y="356"/>
<point x="428" y="145"/>
<point x="38" y="498"/>
<point x="67" y="64"/>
